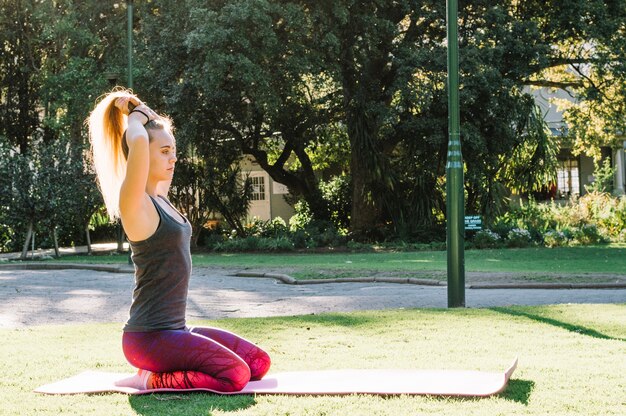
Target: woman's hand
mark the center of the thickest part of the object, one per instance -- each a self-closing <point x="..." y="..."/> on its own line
<point x="136" y="110"/>
<point x="143" y="114"/>
<point x="127" y="104"/>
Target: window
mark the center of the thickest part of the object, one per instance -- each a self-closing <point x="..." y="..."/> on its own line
<point x="258" y="188"/>
<point x="568" y="178"/>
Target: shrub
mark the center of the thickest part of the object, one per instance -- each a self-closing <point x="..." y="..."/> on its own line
<point x="603" y="177"/>
<point x="275" y="244"/>
<point x="487" y="239"/>
<point x="338" y="194"/>
<point x="253" y="243"/>
<point x="358" y="246"/>
<point x="554" y="238"/>
<point x="502" y="228"/>
<point x="589" y="234"/>
<point x="5" y="237"/>
<point x="269" y="228"/>
<point x="301" y="218"/>
<point x="595" y="209"/>
<point x="519" y="238"/>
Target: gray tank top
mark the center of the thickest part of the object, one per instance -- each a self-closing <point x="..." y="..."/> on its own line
<point x="162" y="271"/>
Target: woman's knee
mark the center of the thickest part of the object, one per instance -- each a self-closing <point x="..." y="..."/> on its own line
<point x="237" y="377"/>
<point x="259" y="365"/>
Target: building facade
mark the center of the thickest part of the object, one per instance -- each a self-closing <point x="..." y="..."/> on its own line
<point x="576" y="172"/>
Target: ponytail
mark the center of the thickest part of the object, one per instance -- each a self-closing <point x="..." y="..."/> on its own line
<point x="107" y="125"/>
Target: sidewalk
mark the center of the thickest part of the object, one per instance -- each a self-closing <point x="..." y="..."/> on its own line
<point x="44" y="253"/>
<point x="45" y="296"/>
<point x="473" y="283"/>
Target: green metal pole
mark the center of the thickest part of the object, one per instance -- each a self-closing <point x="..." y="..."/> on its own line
<point x="129" y="4"/>
<point x="455" y="197"/>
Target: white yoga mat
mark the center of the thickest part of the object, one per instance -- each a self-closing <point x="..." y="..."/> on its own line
<point x="336" y="382"/>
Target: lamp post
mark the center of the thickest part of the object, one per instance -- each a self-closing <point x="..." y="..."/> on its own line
<point x="129" y="4"/>
<point x="455" y="197"/>
<point x="112" y="77"/>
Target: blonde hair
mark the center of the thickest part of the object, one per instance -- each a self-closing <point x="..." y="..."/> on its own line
<point x="107" y="127"/>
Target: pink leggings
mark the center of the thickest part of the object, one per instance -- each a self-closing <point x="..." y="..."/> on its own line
<point x="196" y="358"/>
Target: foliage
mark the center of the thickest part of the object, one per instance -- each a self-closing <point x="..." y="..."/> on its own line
<point x="38" y="194"/>
<point x="588" y="234"/>
<point x="287" y="81"/>
<point x="603" y="177"/>
<point x="308" y="232"/>
<point x="344" y="102"/>
<point x="598" y="115"/>
<point x="486" y="239"/>
<point x="270" y="228"/>
<point x="253" y="243"/>
<point x="51" y="67"/>
<point x="518" y="238"/>
<point x="336" y="193"/>
<point x="594" y="218"/>
<point x="553" y="238"/>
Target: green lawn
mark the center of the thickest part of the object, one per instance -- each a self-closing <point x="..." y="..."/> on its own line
<point x="537" y="263"/>
<point x="571" y="361"/>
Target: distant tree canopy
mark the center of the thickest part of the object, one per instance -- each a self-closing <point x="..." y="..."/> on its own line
<point x="324" y="89"/>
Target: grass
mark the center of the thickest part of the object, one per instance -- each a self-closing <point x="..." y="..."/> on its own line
<point x="571" y="362"/>
<point x="534" y="263"/>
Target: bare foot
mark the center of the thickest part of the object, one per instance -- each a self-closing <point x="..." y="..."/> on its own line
<point x="139" y="381"/>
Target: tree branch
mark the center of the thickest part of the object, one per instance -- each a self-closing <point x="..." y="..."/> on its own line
<point x="554" y="84"/>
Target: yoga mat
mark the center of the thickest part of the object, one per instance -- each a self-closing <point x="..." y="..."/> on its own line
<point x="336" y="382"/>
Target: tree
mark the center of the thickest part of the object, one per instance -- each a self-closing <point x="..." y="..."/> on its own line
<point x="258" y="85"/>
<point x="50" y="73"/>
<point x="319" y="89"/>
<point x="20" y="58"/>
<point x="163" y="80"/>
<point x="590" y="65"/>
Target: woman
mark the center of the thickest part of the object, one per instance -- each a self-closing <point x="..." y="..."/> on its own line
<point x="134" y="153"/>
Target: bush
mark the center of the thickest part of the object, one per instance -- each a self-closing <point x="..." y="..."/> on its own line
<point x="501" y="228"/>
<point x="594" y="218"/>
<point x="338" y="193"/>
<point x="253" y="243"/>
<point x="358" y="246"/>
<point x="301" y="219"/>
<point x="554" y="238"/>
<point x="5" y="237"/>
<point x="269" y="228"/>
<point x="518" y="238"/>
<point x="603" y="177"/>
<point x="323" y="234"/>
<point x="589" y="234"/>
<point x="486" y="239"/>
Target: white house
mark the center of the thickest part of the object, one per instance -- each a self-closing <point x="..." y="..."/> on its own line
<point x="574" y="172"/>
<point x="268" y="196"/>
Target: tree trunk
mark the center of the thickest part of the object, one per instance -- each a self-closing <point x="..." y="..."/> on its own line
<point x="365" y="213"/>
<point x="29" y="234"/>
<point x="365" y="168"/>
<point x="120" y="238"/>
<point x="88" y="237"/>
<point x="56" y="242"/>
<point x="195" y="235"/>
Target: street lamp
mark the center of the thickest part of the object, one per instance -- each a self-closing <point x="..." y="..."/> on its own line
<point x="129" y="4"/>
<point x="112" y="77"/>
<point x="455" y="197"/>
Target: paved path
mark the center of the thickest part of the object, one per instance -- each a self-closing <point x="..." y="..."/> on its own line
<point x="35" y="297"/>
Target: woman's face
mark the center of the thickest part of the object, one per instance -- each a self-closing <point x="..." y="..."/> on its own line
<point x="162" y="155"/>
